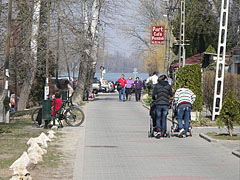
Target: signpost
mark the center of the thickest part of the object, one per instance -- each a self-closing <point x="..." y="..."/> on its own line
<point x="157" y="35"/>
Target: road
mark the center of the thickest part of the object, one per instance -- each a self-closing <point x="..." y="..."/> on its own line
<point x="114" y="146"/>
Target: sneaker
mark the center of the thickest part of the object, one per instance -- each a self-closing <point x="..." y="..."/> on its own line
<point x="184" y="136"/>
<point x="180" y="134"/>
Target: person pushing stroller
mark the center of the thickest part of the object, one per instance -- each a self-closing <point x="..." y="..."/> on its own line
<point x="161" y="95"/>
<point x="184" y="99"/>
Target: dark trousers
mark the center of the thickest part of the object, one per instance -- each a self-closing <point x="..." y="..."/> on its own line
<point x="128" y="93"/>
<point x="161" y="122"/>
<point x="138" y="94"/>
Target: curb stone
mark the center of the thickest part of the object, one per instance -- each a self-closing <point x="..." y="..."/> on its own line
<point x="236" y="154"/>
<point x="207" y="138"/>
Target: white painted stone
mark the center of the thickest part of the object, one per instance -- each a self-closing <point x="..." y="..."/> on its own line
<point x="39" y="140"/>
<point x="54" y="128"/>
<point x="19" y="167"/>
<point x="51" y="132"/>
<point x="35" y="157"/>
<point x="52" y="136"/>
<point x="45" y="137"/>
<point x="34" y="147"/>
<point x="28" y="177"/>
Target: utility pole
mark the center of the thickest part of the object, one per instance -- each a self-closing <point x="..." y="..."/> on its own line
<point x="220" y="69"/>
<point x="4" y="116"/>
<point x="182" y="35"/>
<point x="168" y="37"/>
<point x="46" y="88"/>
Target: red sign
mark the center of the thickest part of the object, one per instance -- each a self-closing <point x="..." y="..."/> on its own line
<point x="157" y="35"/>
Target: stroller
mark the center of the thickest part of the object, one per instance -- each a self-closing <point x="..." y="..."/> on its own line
<point x="174" y="127"/>
<point x="153" y="117"/>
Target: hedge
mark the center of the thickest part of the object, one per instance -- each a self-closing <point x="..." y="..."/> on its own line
<point x="191" y="77"/>
<point x="231" y="82"/>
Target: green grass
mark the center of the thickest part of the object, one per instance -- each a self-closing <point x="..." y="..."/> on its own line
<point x="224" y="136"/>
<point x="204" y="121"/>
<point x="53" y="157"/>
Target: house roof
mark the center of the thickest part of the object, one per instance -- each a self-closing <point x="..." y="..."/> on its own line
<point x="196" y="59"/>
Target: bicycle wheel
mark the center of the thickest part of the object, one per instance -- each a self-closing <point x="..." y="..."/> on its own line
<point x="74" y="116"/>
<point x="35" y="115"/>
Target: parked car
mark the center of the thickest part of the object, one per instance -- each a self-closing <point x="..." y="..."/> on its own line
<point x="105" y="86"/>
<point x="96" y="86"/>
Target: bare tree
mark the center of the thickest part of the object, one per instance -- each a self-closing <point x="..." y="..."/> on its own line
<point x="25" y="91"/>
<point x="89" y="53"/>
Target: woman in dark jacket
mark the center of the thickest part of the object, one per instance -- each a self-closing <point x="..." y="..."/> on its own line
<point x="161" y="94"/>
<point x="138" y="88"/>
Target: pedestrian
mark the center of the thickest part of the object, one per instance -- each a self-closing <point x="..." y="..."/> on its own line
<point x="153" y="79"/>
<point x="12" y="102"/>
<point x="184" y="98"/>
<point x="161" y="95"/>
<point x="122" y="87"/>
<point x="129" y="87"/>
<point x="67" y="86"/>
<point x="138" y="88"/>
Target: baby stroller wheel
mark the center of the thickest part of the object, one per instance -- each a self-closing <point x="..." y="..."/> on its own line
<point x="149" y="134"/>
<point x="168" y="134"/>
<point x="190" y="131"/>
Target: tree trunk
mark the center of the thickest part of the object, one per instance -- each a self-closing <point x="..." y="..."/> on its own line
<point x="26" y="88"/>
<point x="87" y="65"/>
<point x="230" y="127"/>
<point x="235" y="22"/>
<point x="3" y="113"/>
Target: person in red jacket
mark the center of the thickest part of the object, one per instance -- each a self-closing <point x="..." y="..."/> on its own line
<point x="123" y="83"/>
<point x="58" y="102"/>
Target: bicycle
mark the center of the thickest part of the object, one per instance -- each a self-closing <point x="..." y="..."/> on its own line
<point x="68" y="112"/>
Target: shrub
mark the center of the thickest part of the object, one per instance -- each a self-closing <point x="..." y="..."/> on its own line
<point x="231" y="82"/>
<point x="229" y="113"/>
<point x="148" y="100"/>
<point x="191" y="76"/>
<point x="210" y="49"/>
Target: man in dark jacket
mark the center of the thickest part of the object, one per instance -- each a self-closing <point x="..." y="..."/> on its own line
<point x="161" y="94"/>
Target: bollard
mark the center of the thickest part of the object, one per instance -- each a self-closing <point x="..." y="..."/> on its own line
<point x="54" y="111"/>
<point x="64" y="95"/>
<point x="46" y="111"/>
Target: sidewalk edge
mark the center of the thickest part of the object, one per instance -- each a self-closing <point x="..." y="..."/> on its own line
<point x="207" y="138"/>
<point x="237" y="154"/>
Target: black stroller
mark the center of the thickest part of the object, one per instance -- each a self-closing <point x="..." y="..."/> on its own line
<point x="153" y="118"/>
<point x="174" y="127"/>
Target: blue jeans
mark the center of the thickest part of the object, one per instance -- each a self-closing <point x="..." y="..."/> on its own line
<point x="161" y="122"/>
<point x="122" y="92"/>
<point x="185" y="111"/>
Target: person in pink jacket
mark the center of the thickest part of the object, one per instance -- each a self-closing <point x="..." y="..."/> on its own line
<point x="129" y="86"/>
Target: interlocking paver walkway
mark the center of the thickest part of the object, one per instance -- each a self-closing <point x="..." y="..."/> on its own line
<point x="114" y="146"/>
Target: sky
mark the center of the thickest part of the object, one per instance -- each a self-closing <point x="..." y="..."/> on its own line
<point x="116" y="39"/>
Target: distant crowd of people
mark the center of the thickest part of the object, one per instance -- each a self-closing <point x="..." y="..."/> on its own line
<point x="127" y="87"/>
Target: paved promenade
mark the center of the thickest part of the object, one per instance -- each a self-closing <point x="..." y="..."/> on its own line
<point x="114" y="146"/>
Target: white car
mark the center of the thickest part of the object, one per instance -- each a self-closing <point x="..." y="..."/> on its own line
<point x="96" y="86"/>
